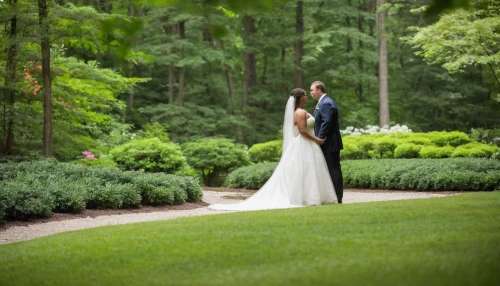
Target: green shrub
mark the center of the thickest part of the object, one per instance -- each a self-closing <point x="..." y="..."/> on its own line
<point x="486" y="136"/>
<point x="434" y="152"/>
<point x="113" y="196"/>
<point x="158" y="189"/>
<point x="212" y="157"/>
<point x="476" y="150"/>
<point x="407" y="150"/>
<point x="384" y="147"/>
<point x="459" y="174"/>
<point x="251" y="177"/>
<point x="351" y="152"/>
<point x="150" y="155"/>
<point x="423" y="174"/>
<point x="68" y="196"/>
<point x="156" y="130"/>
<point x="266" y="152"/>
<point x="23" y="200"/>
<point x="35" y="189"/>
<point x="454" y="138"/>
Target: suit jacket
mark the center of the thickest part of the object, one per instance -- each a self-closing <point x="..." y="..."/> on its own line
<point x="327" y="125"/>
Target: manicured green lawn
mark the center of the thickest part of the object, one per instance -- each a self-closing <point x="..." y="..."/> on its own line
<point x="442" y="241"/>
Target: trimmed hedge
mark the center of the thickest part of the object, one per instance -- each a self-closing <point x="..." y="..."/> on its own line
<point x="394" y="145"/>
<point x="36" y="189"/>
<point x="380" y="146"/>
<point x="460" y="174"/>
<point x="250" y="177"/>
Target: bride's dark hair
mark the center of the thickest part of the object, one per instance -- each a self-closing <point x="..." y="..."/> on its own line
<point x="297" y="93"/>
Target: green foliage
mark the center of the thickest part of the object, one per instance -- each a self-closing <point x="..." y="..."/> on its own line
<point x="36" y="189"/>
<point x="475" y="149"/>
<point x="111" y="195"/>
<point x="251" y="177"/>
<point x="23" y="200"/>
<point x="486" y="136"/>
<point x="213" y="157"/>
<point x="266" y="152"/>
<point x="408" y="145"/>
<point x="407" y="150"/>
<point x="159" y="189"/>
<point x="156" y="130"/>
<point x="461" y="38"/>
<point x="464" y="174"/>
<point x="351" y="152"/>
<point x="383" y="147"/>
<point x="151" y="155"/>
<point x="435" y="152"/>
<point x="454" y="138"/>
<point x="429" y="174"/>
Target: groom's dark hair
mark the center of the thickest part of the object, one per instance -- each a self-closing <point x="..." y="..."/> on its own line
<point x="320" y="85"/>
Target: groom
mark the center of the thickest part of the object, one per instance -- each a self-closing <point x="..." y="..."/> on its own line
<point x="326" y="127"/>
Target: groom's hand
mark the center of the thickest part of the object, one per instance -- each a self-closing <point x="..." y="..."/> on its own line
<point x="321" y="141"/>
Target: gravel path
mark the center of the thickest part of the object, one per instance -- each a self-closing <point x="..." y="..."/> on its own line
<point x="18" y="233"/>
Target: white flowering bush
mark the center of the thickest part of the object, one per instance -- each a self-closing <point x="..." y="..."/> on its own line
<point x="371" y="129"/>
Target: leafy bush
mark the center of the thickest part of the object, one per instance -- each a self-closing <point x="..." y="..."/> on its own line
<point x="113" y="196"/>
<point x="423" y="174"/>
<point x="407" y="150"/>
<point x="22" y="200"/>
<point x="454" y="138"/>
<point x="68" y="196"/>
<point x="158" y="189"/>
<point x="468" y="174"/>
<point x="351" y="151"/>
<point x="486" y="136"/>
<point x="212" y="157"/>
<point x="155" y="130"/>
<point x="35" y="189"/>
<point x="250" y="177"/>
<point x="266" y="152"/>
<point x="435" y="152"/>
<point x="475" y="149"/>
<point x="150" y="155"/>
<point x="384" y="147"/>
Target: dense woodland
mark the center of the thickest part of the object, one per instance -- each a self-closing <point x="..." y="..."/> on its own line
<point x="94" y="74"/>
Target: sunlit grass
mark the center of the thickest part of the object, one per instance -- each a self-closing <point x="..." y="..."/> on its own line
<point x="441" y="241"/>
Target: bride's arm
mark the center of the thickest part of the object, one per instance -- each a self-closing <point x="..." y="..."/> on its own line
<point x="301" y="120"/>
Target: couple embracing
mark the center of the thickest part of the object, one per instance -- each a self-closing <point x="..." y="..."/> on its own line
<point x="309" y="171"/>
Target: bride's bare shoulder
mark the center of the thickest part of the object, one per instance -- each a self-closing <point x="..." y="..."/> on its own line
<point x="300" y="112"/>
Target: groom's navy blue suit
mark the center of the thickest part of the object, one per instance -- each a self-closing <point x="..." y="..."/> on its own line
<point x="327" y="126"/>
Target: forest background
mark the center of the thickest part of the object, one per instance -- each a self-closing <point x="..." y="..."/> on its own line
<point x="119" y="70"/>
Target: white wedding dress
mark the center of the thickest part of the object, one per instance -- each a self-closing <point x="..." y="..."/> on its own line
<point x="300" y="179"/>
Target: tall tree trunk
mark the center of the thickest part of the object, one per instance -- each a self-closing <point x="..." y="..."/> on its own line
<point x="229" y="77"/>
<point x="182" y="36"/>
<point x="43" y="13"/>
<point x="10" y="78"/>
<point x="382" y="68"/>
<point x="250" y="74"/>
<point x="299" y="45"/>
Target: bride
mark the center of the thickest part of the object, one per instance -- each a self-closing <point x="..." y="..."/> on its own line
<point x="301" y="177"/>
